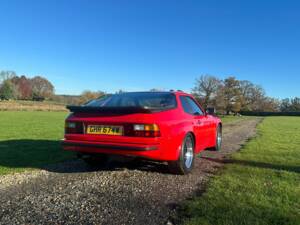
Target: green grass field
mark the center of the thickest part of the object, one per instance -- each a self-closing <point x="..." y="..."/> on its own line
<point x="30" y="140"/>
<point x="260" y="186"/>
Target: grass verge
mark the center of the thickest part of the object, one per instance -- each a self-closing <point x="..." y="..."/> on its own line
<point x="260" y="186"/>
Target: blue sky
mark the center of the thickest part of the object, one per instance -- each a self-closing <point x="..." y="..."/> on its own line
<point x="138" y="45"/>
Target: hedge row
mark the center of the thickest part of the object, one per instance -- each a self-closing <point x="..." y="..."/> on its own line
<point x="250" y="113"/>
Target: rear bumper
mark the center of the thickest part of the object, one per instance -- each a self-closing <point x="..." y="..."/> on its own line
<point x="151" y="151"/>
<point x="71" y="144"/>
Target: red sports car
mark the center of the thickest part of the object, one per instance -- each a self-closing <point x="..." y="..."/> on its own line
<point x="162" y="126"/>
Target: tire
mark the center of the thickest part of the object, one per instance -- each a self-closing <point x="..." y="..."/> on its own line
<point x="218" y="143"/>
<point x="185" y="162"/>
<point x="95" y="161"/>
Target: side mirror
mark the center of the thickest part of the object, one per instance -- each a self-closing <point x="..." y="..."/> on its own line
<point x="211" y="111"/>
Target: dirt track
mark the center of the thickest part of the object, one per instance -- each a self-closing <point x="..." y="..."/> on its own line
<point x="139" y="193"/>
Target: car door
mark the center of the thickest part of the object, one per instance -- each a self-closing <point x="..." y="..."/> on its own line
<point x="201" y="123"/>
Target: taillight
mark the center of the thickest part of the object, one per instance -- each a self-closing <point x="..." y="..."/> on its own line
<point x="73" y="127"/>
<point x="142" y="130"/>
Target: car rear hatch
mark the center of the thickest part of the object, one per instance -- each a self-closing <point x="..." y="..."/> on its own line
<point x="118" y="125"/>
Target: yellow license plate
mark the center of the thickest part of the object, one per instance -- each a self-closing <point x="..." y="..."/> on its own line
<point x="104" y="129"/>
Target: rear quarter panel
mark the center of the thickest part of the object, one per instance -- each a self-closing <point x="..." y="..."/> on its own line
<point x="174" y="126"/>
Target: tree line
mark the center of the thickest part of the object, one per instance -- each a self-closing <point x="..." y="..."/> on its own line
<point x="38" y="88"/>
<point x="231" y="95"/>
<point x="23" y="88"/>
<point x="228" y="95"/>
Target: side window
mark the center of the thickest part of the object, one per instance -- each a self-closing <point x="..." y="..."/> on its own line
<point x="190" y="106"/>
<point x="185" y="105"/>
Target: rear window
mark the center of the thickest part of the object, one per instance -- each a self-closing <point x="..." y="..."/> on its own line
<point x="147" y="100"/>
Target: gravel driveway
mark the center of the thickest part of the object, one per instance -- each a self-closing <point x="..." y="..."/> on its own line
<point x="127" y="193"/>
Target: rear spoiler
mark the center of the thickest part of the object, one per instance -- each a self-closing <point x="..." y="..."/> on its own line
<point x="113" y="110"/>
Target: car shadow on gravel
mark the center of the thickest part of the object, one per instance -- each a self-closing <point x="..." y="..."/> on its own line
<point x="140" y="164"/>
<point x="48" y="155"/>
<point x="122" y="163"/>
<point x="28" y="153"/>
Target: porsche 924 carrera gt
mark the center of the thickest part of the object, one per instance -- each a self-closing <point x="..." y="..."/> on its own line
<point x="166" y="126"/>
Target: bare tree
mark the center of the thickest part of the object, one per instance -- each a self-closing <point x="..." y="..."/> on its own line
<point x="41" y="87"/>
<point x="6" y="75"/>
<point x="268" y="104"/>
<point x="205" y="89"/>
<point x="220" y="100"/>
<point x="290" y="105"/>
<point x="23" y="87"/>
<point x="285" y="105"/>
<point x="295" y="104"/>
<point x="6" y="90"/>
<point x="232" y="95"/>
<point x="257" y="98"/>
<point x="246" y="88"/>
<point x="251" y="94"/>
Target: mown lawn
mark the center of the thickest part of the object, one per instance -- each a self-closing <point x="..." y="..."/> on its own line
<point x="260" y="186"/>
<point x="30" y="140"/>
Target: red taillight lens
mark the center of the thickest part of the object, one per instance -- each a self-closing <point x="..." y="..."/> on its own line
<point x="142" y="130"/>
<point x="147" y="133"/>
<point x="73" y="127"/>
